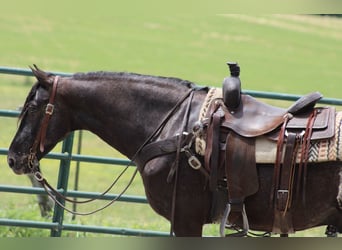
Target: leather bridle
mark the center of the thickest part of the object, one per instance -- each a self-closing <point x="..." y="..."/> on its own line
<point x="39" y="142"/>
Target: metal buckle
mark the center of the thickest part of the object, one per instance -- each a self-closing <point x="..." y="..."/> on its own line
<point x="299" y="135"/>
<point x="282" y="192"/>
<point x="282" y="199"/>
<point x="194" y="162"/>
<point x="38" y="175"/>
<point x="183" y="134"/>
<point x="49" y="109"/>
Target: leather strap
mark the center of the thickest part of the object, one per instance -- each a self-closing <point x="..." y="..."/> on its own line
<point x="282" y="216"/>
<point x="279" y="157"/>
<point x="284" y="174"/>
<point x="305" y="152"/>
<point x="285" y="187"/>
<point x="174" y="167"/>
<point x="40" y="139"/>
<point x="156" y="149"/>
<point x="213" y="152"/>
<point x="280" y="192"/>
<point x="48" y="113"/>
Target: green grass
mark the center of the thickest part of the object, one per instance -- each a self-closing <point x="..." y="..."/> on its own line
<point x="295" y="54"/>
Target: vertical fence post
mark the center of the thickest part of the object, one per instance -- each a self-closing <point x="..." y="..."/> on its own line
<point x="77" y="171"/>
<point x="62" y="184"/>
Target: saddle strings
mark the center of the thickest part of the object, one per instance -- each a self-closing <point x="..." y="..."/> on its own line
<point x="52" y="192"/>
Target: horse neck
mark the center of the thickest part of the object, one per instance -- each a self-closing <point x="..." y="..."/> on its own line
<point x="122" y="113"/>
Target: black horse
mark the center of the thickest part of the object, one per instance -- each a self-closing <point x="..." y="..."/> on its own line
<point x="125" y="109"/>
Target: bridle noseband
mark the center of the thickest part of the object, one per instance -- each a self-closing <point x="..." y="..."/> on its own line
<point x="40" y="138"/>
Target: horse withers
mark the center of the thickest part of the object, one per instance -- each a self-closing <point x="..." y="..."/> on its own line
<point x="129" y="109"/>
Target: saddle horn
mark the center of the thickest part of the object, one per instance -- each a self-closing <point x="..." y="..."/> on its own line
<point x="231" y="90"/>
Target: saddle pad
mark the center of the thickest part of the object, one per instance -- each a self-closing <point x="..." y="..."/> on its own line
<point x="320" y="151"/>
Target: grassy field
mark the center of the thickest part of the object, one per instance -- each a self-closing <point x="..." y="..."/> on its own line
<point x="282" y="53"/>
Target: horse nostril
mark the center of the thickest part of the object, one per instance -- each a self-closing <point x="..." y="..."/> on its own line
<point x="11" y="162"/>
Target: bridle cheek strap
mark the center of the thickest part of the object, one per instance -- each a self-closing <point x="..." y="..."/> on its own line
<point x="40" y="139"/>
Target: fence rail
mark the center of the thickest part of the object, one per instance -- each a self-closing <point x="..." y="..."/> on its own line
<point x="65" y="158"/>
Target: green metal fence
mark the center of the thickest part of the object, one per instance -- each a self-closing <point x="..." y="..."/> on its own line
<point x="67" y="156"/>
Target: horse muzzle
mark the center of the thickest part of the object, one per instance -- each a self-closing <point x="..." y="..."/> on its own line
<point x="22" y="164"/>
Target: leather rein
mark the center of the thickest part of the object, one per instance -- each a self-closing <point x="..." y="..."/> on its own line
<point x="40" y="143"/>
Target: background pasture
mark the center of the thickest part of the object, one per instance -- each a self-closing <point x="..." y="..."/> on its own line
<point x="283" y="53"/>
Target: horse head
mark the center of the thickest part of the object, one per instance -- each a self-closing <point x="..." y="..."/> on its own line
<point x="38" y="130"/>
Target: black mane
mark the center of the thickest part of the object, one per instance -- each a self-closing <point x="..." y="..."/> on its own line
<point x="104" y="75"/>
<point x="126" y="75"/>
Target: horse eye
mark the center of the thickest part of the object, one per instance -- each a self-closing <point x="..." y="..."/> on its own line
<point x="33" y="107"/>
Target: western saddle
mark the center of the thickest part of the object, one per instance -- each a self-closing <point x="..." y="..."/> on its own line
<point x="231" y="127"/>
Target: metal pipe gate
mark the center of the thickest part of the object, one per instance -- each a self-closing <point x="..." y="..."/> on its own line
<point x="66" y="157"/>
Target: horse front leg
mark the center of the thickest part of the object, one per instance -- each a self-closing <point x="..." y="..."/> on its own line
<point x="190" y="198"/>
<point x="191" y="210"/>
<point x="186" y="228"/>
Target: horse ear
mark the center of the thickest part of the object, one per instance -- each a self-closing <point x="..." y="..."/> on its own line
<point x="46" y="79"/>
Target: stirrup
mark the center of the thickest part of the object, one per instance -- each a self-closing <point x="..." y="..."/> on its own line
<point x="226" y="224"/>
